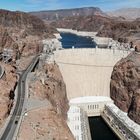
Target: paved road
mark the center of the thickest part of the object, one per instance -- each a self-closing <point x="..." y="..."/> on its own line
<point x="17" y="114"/>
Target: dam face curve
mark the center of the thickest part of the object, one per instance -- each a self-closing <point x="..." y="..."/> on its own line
<point x="87" y="72"/>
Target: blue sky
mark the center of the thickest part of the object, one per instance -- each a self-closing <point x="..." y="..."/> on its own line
<point x="35" y="5"/>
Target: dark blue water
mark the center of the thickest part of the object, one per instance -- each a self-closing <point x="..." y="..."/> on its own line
<point x="68" y="40"/>
<point x="99" y="130"/>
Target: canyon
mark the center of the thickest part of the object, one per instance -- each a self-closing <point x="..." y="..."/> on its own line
<point x="123" y="31"/>
<point x="8" y="84"/>
<point x="49" y="121"/>
<point x="53" y="15"/>
<point x="24" y="32"/>
<point x="124" y="87"/>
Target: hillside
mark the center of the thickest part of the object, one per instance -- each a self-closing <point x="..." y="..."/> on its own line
<point x="53" y="15"/>
<point x="83" y="23"/>
<point x="48" y="121"/>
<point x="124" y="87"/>
<point x="105" y="26"/>
<point x="23" y="32"/>
<point x="128" y="13"/>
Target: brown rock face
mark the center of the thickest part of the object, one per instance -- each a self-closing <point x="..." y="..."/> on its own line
<point x="52" y="87"/>
<point x="20" y="20"/>
<point x="7" y="84"/>
<point x="48" y="122"/>
<point x="22" y="32"/>
<point x="134" y="111"/>
<point x="44" y="124"/>
<point x="63" y="13"/>
<point x="128" y="13"/>
<point x="83" y="23"/>
<point x="125" y="85"/>
<point x="115" y="28"/>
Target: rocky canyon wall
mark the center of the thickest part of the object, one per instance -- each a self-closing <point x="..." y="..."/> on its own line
<point x="125" y="85"/>
<point x="48" y="122"/>
<point x="7" y="87"/>
<point x="23" y="32"/>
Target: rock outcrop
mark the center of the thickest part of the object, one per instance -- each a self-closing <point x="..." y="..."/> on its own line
<point x="127" y="13"/>
<point x="125" y="85"/>
<point x="83" y="23"/>
<point x="54" y="15"/>
<point x="48" y="122"/>
<point x="52" y="87"/>
<point x="121" y="30"/>
<point x="7" y="84"/>
<point x="115" y="28"/>
<point x="22" y="32"/>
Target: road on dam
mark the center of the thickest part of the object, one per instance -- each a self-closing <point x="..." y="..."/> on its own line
<point x="11" y="127"/>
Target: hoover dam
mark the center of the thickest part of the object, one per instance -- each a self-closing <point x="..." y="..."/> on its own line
<point x="87" y="72"/>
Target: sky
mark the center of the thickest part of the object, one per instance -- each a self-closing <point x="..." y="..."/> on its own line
<point x="38" y="5"/>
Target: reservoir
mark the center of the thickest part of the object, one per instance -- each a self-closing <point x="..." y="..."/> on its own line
<point x="100" y="130"/>
<point x="68" y="40"/>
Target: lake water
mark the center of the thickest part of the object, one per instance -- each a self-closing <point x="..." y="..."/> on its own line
<point x="68" y="40"/>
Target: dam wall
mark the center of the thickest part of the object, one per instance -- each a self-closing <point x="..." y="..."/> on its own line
<point x="87" y="72"/>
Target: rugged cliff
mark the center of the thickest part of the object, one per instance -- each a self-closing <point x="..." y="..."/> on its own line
<point x="84" y="23"/>
<point x="52" y="87"/>
<point x="126" y="30"/>
<point x="7" y="87"/>
<point x="128" y="13"/>
<point x="125" y="85"/>
<point x="22" y="32"/>
<point x="53" y="15"/>
<point x="116" y="28"/>
<point x="48" y="122"/>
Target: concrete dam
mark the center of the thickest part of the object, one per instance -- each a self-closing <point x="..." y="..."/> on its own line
<point x="87" y="72"/>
